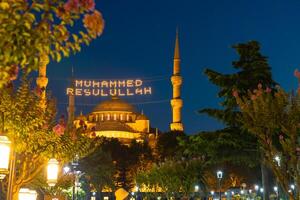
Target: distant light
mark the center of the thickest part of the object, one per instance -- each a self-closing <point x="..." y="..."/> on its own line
<point x="219" y="174"/>
<point x="277" y="159"/>
<point x="94" y="193"/>
<point x="196" y="188"/>
<point x="292" y="186"/>
<point x="250" y="191"/>
<point x="275" y="188"/>
<point x="261" y="190"/>
<point x="242" y="191"/>
<point x="232" y="193"/>
<point x="226" y="193"/>
<point x="256" y="187"/>
<point x="67" y="169"/>
<point x="212" y="192"/>
<point x="132" y="193"/>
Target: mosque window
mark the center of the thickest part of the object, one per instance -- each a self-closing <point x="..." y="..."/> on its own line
<point x="102" y="117"/>
<point x="108" y="116"/>
<point x="121" y="117"/>
<point x="115" y="116"/>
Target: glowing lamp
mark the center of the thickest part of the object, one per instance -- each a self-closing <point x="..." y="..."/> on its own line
<point x="219" y="174"/>
<point x="4" y="156"/>
<point x="26" y="194"/>
<point x="52" y="172"/>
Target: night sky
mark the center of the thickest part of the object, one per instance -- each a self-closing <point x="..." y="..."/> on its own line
<point x="138" y="42"/>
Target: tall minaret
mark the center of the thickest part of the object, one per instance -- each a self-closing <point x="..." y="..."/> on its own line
<point x="176" y="101"/>
<point x="71" y="105"/>
<point x="42" y="80"/>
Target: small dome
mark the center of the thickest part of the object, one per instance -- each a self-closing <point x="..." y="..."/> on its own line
<point x="81" y="117"/>
<point x="115" y="104"/>
<point x="142" y="117"/>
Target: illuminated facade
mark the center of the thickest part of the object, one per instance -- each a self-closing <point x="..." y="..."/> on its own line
<point x="116" y="118"/>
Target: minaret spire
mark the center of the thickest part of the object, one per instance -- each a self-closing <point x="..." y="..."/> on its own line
<point x="176" y="79"/>
<point x="71" y="105"/>
<point x="176" y="51"/>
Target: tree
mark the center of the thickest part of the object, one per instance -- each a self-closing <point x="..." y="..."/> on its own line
<point x="232" y="143"/>
<point x="172" y="178"/>
<point x="35" y="135"/>
<point x="168" y="144"/>
<point x="32" y="29"/>
<point x="127" y="160"/>
<point x="99" y="169"/>
<point x="273" y="118"/>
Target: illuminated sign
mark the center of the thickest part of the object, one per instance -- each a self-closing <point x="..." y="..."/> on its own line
<point x="104" y="88"/>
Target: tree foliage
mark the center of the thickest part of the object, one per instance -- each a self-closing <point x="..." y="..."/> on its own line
<point x="172" y="178"/>
<point x="34" y="134"/>
<point x="273" y="118"/>
<point x="232" y="143"/>
<point x="168" y="145"/>
<point x="30" y="29"/>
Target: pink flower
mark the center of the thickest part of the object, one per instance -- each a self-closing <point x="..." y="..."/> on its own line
<point x="87" y="4"/>
<point x="94" y="23"/>
<point x="72" y="6"/>
<point x="235" y="93"/>
<point x="281" y="137"/>
<point x="59" y="130"/>
<point x="253" y="97"/>
<point x="259" y="86"/>
<point x="297" y="73"/>
<point x="268" y="90"/>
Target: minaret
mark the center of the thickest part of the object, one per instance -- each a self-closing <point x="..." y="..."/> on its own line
<point x="42" y="80"/>
<point x="71" y="105"/>
<point x="176" y="101"/>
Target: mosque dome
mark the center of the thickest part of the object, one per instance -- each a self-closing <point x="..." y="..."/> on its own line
<point x="114" y="104"/>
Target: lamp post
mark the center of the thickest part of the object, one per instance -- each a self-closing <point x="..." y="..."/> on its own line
<point x="5" y="146"/>
<point x="220" y="176"/>
<point x="52" y="172"/>
<point x="276" y="192"/>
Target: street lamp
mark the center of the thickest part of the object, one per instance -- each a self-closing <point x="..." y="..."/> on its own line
<point x="26" y="194"/>
<point x="52" y="172"/>
<point x="220" y="176"/>
<point x="4" y="156"/>
<point x="277" y="159"/>
<point x="276" y="191"/>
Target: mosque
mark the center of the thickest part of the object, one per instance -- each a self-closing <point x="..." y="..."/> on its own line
<point x="115" y="118"/>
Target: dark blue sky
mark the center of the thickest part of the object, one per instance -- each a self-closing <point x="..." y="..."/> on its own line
<point x="138" y="41"/>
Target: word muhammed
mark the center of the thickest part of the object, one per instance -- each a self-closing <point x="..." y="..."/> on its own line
<point x="103" y="88"/>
